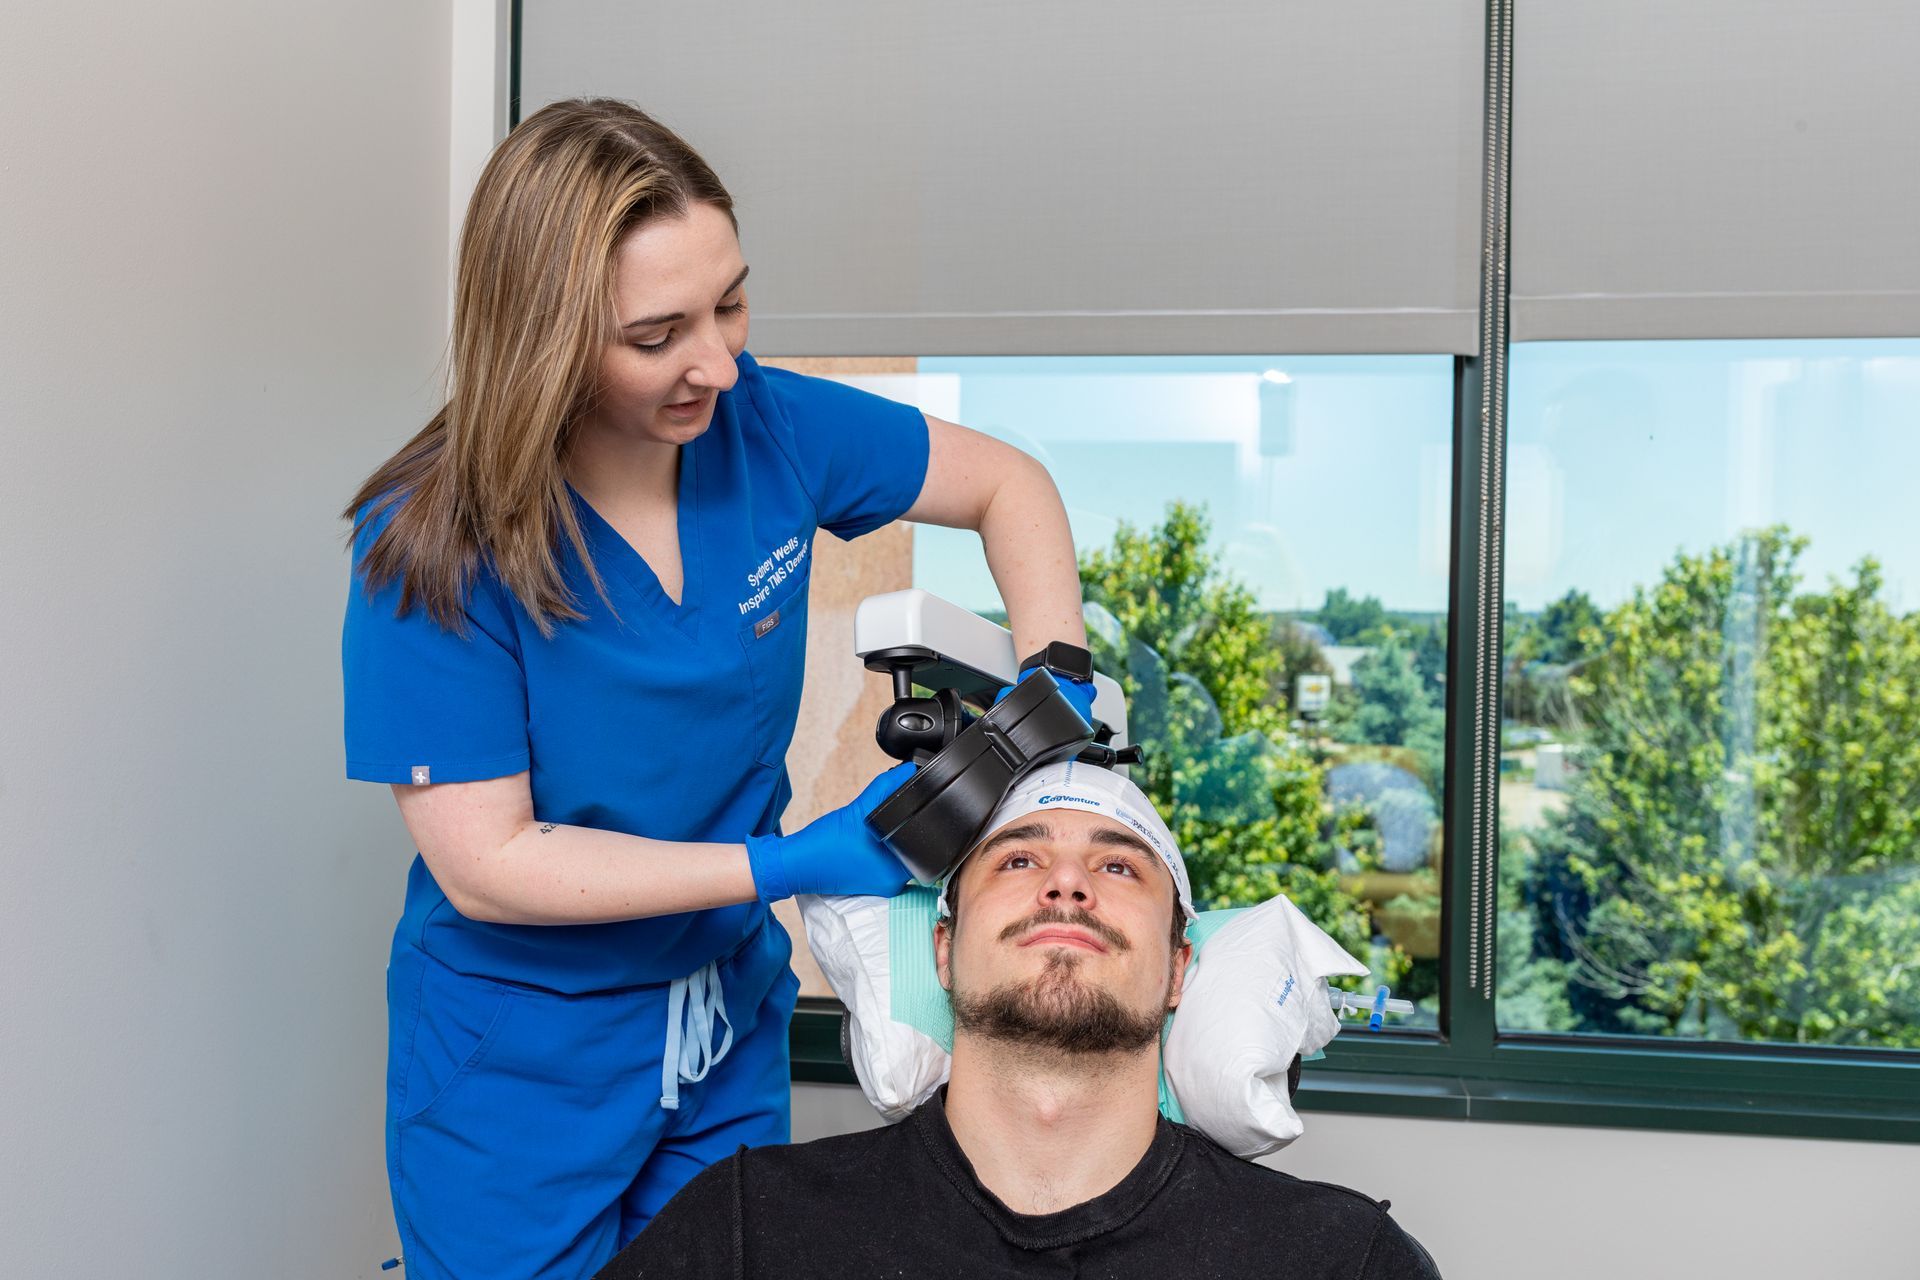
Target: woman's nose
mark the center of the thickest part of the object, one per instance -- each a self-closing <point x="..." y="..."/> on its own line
<point x="713" y="363"/>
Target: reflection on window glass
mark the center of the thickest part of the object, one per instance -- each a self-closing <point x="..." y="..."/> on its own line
<point x="1710" y="772"/>
<point x="1263" y="550"/>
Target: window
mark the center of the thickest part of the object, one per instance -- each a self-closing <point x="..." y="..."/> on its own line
<point x="1710" y="767"/>
<point x="1711" y="702"/>
<point x="1264" y="548"/>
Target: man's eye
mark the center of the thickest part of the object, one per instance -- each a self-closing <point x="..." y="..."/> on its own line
<point x="1016" y="862"/>
<point x="1120" y="866"/>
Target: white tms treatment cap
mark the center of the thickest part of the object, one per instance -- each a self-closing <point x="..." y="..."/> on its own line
<point x="1089" y="789"/>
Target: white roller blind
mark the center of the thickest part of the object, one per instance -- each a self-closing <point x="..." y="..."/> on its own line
<point x="1068" y="177"/>
<point x="1716" y="168"/>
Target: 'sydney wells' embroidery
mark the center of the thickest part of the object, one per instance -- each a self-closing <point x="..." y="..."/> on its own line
<point x="780" y="564"/>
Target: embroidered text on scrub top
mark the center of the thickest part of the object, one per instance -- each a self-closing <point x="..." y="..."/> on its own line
<point x="780" y="564"/>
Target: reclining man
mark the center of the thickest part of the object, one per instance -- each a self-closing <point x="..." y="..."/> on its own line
<point x="1045" y="1154"/>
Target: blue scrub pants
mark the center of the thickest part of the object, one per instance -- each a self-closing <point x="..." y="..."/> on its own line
<point x="526" y="1135"/>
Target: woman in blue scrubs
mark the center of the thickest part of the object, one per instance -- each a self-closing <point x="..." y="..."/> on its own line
<point x="574" y="647"/>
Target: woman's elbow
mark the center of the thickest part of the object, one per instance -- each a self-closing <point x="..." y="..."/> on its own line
<point x="478" y="909"/>
<point x="468" y="892"/>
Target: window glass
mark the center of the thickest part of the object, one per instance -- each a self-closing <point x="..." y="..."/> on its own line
<point x="1264" y="548"/>
<point x="1710" y="769"/>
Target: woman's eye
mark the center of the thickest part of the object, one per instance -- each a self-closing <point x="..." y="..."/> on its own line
<point x="654" y="346"/>
<point x="734" y="309"/>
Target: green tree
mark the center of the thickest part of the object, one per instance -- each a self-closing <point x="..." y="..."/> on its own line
<point x="1543" y="653"/>
<point x="1199" y="666"/>
<point x="1430" y="658"/>
<point x="1299" y="653"/>
<point x="1348" y="619"/>
<point x="1565" y="632"/>
<point x="1745" y="824"/>
<point x="1569" y="629"/>
<point x="1398" y="708"/>
<point x="1533" y="986"/>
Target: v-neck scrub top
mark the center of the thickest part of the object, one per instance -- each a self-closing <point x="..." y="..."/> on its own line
<point x="654" y="719"/>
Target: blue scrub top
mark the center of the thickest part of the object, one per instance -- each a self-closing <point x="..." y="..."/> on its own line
<point x="665" y="721"/>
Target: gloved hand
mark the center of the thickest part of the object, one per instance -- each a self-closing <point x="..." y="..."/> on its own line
<point x="1079" y="692"/>
<point x="833" y="854"/>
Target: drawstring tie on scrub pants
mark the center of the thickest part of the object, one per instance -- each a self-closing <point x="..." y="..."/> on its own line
<point x="695" y="1000"/>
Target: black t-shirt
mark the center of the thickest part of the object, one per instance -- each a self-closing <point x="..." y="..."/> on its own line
<point x="904" y="1202"/>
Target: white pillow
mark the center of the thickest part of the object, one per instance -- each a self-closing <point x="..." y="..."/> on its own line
<point x="1255" y="996"/>
<point x="1229" y="1044"/>
<point x="877" y="954"/>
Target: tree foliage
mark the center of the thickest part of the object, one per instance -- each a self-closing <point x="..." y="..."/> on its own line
<point x="1397" y="707"/>
<point x="1197" y="660"/>
<point x="1566" y="631"/>
<point x="1300" y="654"/>
<point x="1350" y="620"/>
<point x="1740" y="854"/>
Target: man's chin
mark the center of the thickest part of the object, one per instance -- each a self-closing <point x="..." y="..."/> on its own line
<point x="1057" y="1011"/>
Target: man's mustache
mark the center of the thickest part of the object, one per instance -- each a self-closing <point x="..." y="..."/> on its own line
<point x="1079" y="917"/>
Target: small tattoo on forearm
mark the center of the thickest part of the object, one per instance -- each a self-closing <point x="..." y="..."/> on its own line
<point x="547" y="826"/>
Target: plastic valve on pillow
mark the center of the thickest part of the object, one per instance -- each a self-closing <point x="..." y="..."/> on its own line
<point x="1373" y="1008"/>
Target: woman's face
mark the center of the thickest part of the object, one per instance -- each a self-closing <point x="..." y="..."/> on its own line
<point x="680" y="299"/>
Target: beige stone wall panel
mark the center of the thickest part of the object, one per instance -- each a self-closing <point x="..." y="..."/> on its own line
<point x="833" y="754"/>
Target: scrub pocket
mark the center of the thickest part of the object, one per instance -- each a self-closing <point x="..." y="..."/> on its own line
<point x="776" y="645"/>
<point x="444" y="1050"/>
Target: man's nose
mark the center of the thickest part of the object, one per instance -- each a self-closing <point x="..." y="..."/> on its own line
<point x="1067" y="883"/>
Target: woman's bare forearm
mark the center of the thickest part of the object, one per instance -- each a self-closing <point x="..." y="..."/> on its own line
<point x="499" y="863"/>
<point x="554" y="874"/>
<point x="1029" y="547"/>
<point x="976" y="482"/>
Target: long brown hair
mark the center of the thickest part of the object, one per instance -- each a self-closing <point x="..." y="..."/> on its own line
<point x="484" y="482"/>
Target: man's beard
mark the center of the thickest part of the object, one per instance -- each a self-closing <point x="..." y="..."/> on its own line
<point x="1056" y="1010"/>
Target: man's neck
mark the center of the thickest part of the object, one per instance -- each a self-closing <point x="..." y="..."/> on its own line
<point x="1046" y="1131"/>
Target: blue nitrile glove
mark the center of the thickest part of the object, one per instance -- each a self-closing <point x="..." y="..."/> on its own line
<point x="1079" y="692"/>
<point x="833" y="854"/>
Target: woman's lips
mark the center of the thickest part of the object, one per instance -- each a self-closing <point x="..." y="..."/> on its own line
<point x="687" y="410"/>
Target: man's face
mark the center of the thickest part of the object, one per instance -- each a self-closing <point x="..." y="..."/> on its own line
<point x="1061" y="936"/>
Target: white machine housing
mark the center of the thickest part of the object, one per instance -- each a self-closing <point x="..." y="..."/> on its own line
<point x="966" y="643"/>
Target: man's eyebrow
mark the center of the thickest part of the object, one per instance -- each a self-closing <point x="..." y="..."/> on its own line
<point x="1124" y="839"/>
<point x="1112" y="837"/>
<point x="1025" y="831"/>
<point x="647" y="322"/>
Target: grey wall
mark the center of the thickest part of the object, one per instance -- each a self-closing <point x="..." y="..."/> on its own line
<point x="223" y="246"/>
<point x="1519" y="1202"/>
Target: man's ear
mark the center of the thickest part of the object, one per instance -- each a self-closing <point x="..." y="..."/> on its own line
<point x="1181" y="959"/>
<point x="943" y="954"/>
